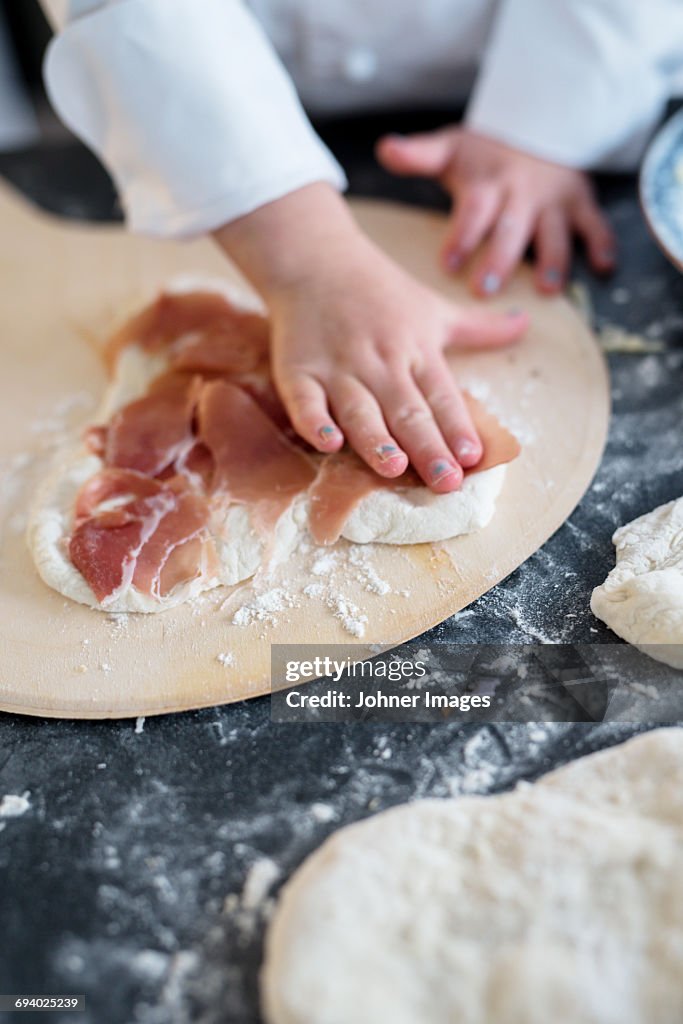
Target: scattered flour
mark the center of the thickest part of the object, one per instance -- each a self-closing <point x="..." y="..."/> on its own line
<point x="330" y="570"/>
<point x="367" y="575"/>
<point x="139" y="724"/>
<point x="13" y="806"/>
<point x="226" y="658"/>
<point x="263" y="607"/>
<point x="248" y="909"/>
<point x="262" y="876"/>
<point x="349" y="614"/>
<point x="324" y="564"/>
<point x="323" y="812"/>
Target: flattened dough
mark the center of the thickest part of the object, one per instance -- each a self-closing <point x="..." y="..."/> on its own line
<point x="561" y="901"/>
<point x="414" y="515"/>
<point x="642" y="598"/>
<point x="408" y="515"/>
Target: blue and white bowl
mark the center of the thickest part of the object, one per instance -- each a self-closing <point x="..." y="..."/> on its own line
<point x="661" y="188"/>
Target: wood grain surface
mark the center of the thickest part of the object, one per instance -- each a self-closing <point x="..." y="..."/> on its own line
<point x="62" y="288"/>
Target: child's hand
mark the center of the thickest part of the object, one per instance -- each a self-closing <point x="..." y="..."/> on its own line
<point x="358" y="345"/>
<point x="508" y="199"/>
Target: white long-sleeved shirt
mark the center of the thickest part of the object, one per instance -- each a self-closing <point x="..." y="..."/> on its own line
<point x="197" y="106"/>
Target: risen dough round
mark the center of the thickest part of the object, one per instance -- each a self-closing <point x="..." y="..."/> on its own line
<point x="642" y="598"/>
<point x="559" y="902"/>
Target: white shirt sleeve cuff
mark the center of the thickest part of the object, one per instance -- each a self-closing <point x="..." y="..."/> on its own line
<point x="588" y="95"/>
<point x="190" y="110"/>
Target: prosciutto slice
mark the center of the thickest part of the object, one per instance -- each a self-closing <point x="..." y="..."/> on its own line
<point x="343" y="479"/>
<point x="105" y="547"/>
<point x="155" y="538"/>
<point x="175" y="314"/>
<point x="173" y="552"/>
<point x="254" y="463"/>
<point x="121" y="485"/>
<point x="342" y="482"/>
<point x="230" y="350"/>
<point x="149" y="434"/>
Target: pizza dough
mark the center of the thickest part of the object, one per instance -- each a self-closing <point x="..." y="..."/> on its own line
<point x="415" y="515"/>
<point x="239" y="546"/>
<point x="408" y="515"/>
<point x="642" y="598"/>
<point x="561" y="901"/>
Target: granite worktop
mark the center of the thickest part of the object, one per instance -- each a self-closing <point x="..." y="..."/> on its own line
<point x="138" y="860"/>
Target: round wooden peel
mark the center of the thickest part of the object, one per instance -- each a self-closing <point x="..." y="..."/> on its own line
<point x="62" y="287"/>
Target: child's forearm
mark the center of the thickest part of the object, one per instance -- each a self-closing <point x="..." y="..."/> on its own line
<point x="278" y="245"/>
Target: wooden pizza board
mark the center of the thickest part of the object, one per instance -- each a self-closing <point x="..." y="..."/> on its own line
<point x="62" y="286"/>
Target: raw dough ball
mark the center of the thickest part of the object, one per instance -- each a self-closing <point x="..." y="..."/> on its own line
<point x="562" y="901"/>
<point x="642" y="598"/>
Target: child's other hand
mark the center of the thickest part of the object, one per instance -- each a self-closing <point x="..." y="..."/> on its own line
<point x="507" y="199"/>
<point x="358" y="344"/>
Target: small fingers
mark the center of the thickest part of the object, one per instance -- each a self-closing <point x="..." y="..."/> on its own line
<point x="553" y="251"/>
<point x="474" y="213"/>
<point x="425" y="153"/>
<point x="478" y="328"/>
<point x="361" y="419"/>
<point x="591" y="224"/>
<point x="412" y="423"/>
<point x="450" y="411"/>
<point x="504" y="250"/>
<point x="306" y="403"/>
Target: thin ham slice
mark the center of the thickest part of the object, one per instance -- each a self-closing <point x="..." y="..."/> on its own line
<point x="342" y="482"/>
<point x="145" y="541"/>
<point x="187" y="561"/>
<point x="111" y="484"/>
<point x="241" y="355"/>
<point x="253" y="462"/>
<point x="197" y="466"/>
<point x="182" y="523"/>
<point x="500" y="446"/>
<point x="149" y="434"/>
<point x="343" y="479"/>
<point x="173" y="315"/>
<point x="105" y="547"/>
<point x="229" y="350"/>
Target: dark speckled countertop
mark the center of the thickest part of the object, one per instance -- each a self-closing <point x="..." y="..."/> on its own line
<point x="139" y="863"/>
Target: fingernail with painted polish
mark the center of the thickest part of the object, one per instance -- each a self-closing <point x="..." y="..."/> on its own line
<point x="385" y="452"/>
<point x="466" y="449"/>
<point x="490" y="283"/>
<point x="440" y="469"/>
<point x="327" y="432"/>
<point x="552" y="276"/>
